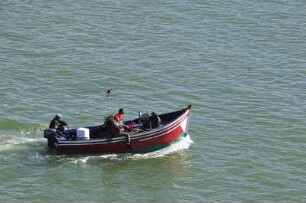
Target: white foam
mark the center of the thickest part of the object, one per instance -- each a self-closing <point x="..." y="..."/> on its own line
<point x="183" y="144"/>
<point x="6" y="147"/>
<point x="82" y="160"/>
<point x="10" y="142"/>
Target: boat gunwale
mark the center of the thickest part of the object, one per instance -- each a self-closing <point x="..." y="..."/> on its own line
<point x="142" y="136"/>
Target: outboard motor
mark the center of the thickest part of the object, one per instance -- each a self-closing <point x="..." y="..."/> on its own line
<point x="50" y="135"/>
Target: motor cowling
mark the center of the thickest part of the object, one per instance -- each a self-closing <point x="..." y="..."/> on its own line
<point x="49" y="133"/>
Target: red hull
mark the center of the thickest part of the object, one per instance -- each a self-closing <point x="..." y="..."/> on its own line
<point x="140" y="142"/>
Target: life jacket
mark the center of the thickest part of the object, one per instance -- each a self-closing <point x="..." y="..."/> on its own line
<point x="118" y="117"/>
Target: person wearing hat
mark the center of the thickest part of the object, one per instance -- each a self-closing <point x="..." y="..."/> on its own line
<point x="57" y="123"/>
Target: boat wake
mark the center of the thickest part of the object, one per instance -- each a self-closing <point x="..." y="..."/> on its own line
<point x="19" y="140"/>
<point x="183" y="144"/>
<point x="31" y="145"/>
<point x="16" y="135"/>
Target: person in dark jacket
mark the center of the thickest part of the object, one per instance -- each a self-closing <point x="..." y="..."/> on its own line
<point x="155" y="121"/>
<point x="113" y="130"/>
<point x="58" y="124"/>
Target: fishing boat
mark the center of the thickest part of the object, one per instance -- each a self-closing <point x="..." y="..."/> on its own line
<point x="140" y="135"/>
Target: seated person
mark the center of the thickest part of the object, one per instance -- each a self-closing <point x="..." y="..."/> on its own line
<point x="58" y="124"/>
<point x="155" y="121"/>
<point x="118" y="118"/>
<point x="144" y="121"/>
<point x="114" y="129"/>
<point x="110" y="127"/>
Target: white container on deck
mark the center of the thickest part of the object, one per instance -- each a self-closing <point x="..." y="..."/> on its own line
<point x="82" y="134"/>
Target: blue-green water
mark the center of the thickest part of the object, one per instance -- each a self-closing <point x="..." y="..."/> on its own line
<point x="241" y="64"/>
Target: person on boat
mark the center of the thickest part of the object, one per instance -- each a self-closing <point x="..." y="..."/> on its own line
<point x="58" y="124"/>
<point x="118" y="117"/>
<point x="155" y="120"/>
<point x="144" y="121"/>
<point x="114" y="128"/>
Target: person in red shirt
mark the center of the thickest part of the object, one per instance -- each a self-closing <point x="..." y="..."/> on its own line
<point x="118" y="117"/>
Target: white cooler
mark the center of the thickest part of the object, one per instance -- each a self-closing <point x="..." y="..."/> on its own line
<point x="82" y="134"/>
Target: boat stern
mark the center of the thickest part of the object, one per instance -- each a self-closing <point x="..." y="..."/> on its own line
<point x="50" y="135"/>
